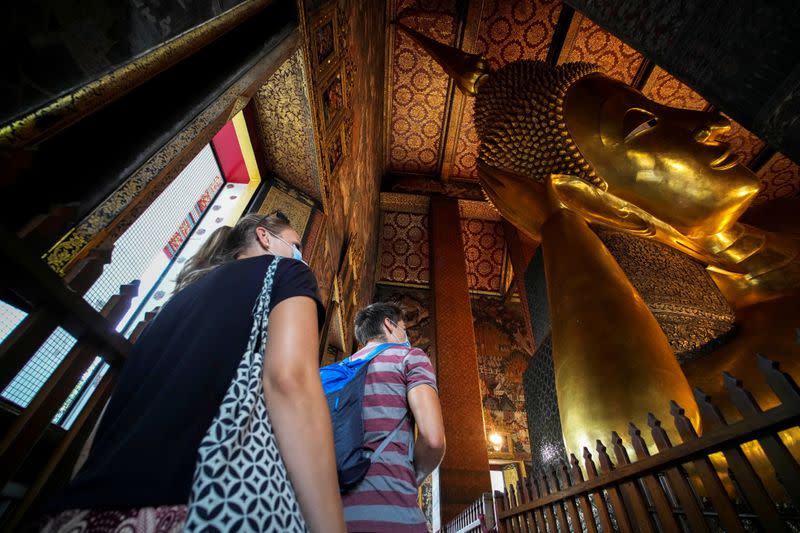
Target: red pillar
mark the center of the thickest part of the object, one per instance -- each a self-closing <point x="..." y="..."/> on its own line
<point x="464" y="474"/>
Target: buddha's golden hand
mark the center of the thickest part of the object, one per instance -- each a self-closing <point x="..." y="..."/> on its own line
<point x="519" y="199"/>
<point x="526" y="203"/>
<point x="600" y="207"/>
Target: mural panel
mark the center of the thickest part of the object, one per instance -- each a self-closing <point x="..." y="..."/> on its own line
<point x="504" y="348"/>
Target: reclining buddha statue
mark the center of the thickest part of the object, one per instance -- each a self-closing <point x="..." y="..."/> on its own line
<point x="565" y="146"/>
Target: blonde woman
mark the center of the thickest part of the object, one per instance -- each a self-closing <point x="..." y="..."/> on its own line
<point x="218" y="421"/>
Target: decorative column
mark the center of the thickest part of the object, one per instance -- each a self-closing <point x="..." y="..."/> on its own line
<point x="521" y="250"/>
<point x="464" y="473"/>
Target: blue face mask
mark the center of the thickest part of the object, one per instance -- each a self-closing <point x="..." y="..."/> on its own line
<point x="296" y="254"/>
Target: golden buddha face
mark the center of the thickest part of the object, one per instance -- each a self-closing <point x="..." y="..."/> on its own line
<point x="666" y="161"/>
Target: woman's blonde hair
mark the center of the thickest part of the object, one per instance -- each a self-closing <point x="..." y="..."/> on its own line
<point x="226" y="244"/>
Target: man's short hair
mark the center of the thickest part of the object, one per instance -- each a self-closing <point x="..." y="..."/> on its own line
<point x="369" y="321"/>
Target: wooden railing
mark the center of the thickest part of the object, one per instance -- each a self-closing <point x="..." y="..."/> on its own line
<point x="678" y="488"/>
<point x="477" y="518"/>
<point x="35" y="455"/>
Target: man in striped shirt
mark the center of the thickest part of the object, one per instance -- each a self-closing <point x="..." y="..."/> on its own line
<point x="400" y="391"/>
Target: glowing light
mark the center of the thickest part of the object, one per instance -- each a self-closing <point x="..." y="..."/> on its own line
<point x="496" y="440"/>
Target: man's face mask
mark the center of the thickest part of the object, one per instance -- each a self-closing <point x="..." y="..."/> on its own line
<point x="405" y="334"/>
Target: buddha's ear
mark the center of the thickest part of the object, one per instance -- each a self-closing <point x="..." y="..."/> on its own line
<point x="598" y="206"/>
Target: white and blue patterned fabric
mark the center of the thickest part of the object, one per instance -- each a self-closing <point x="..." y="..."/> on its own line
<point x="240" y="481"/>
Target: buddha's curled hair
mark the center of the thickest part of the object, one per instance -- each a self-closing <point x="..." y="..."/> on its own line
<point x="519" y="118"/>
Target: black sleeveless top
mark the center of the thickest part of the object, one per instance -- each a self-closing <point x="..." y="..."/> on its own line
<point x="172" y="385"/>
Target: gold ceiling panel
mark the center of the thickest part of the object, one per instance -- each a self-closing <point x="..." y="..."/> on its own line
<point x="508" y="31"/>
<point x="780" y="178"/>
<point x="285" y="127"/>
<point x="465" y="164"/>
<point x="511" y="30"/>
<point x="419" y="90"/>
<point x="665" y="89"/>
<point x="586" y="41"/>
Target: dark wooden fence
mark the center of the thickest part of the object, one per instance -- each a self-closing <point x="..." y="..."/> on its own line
<point x="36" y="455"/>
<point x="678" y="488"/>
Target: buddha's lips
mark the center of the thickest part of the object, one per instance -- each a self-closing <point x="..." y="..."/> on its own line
<point x="727" y="160"/>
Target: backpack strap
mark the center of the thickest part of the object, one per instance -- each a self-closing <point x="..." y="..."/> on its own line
<point x="379" y="450"/>
<point x="390" y="436"/>
<point x="374" y="353"/>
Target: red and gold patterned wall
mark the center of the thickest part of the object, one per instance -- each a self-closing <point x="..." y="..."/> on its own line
<point x="485" y="253"/>
<point x="405" y="249"/>
<point x="405" y="252"/>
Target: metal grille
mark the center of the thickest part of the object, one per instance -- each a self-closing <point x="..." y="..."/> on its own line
<point x="226" y="207"/>
<point x="33" y="375"/>
<point x="10" y="317"/>
<point x="138" y="253"/>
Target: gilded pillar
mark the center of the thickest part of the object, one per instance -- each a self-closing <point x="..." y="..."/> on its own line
<point x="613" y="363"/>
<point x="464" y="473"/>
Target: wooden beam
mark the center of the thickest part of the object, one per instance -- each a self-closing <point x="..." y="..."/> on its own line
<point x="761" y="158"/>
<point x="643" y="74"/>
<point x="454" y="114"/>
<point x="26" y="272"/>
<point x="430" y="186"/>
<point x="560" y="34"/>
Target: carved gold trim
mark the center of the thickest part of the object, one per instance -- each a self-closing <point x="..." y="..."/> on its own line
<point x="312" y="102"/>
<point x="69" y="108"/>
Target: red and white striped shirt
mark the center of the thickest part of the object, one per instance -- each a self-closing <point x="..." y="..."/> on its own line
<point x="386" y="499"/>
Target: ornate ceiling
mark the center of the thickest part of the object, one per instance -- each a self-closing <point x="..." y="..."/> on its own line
<point x="430" y="127"/>
<point x="285" y="127"/>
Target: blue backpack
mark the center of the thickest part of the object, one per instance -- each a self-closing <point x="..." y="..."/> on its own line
<point x="343" y="383"/>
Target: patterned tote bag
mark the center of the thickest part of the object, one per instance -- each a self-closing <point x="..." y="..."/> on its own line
<point x="240" y="481"/>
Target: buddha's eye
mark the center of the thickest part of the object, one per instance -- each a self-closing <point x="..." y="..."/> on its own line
<point x="636" y="122"/>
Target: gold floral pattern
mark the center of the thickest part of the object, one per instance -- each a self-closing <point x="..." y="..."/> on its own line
<point x="666" y="89"/>
<point x="780" y="178"/>
<point x="285" y="127"/>
<point x="590" y="43"/>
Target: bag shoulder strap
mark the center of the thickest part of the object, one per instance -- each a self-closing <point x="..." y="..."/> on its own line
<point x="388" y="439"/>
<point x="374" y="353"/>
